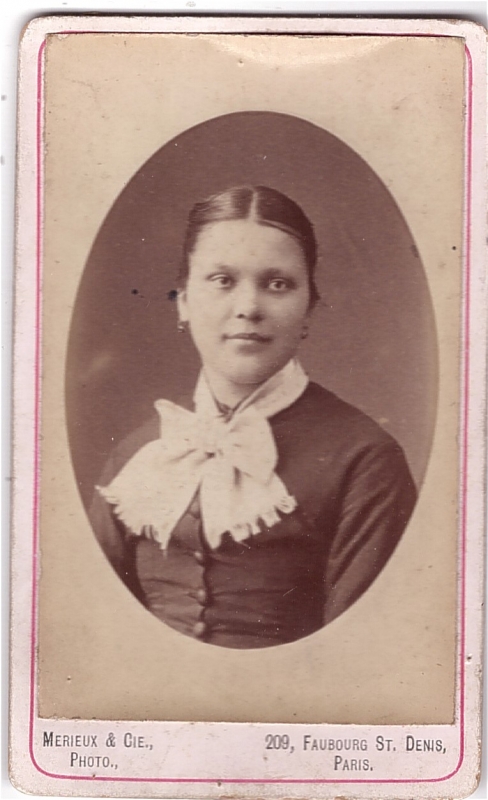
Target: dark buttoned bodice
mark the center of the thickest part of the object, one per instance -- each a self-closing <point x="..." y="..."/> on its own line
<point x="219" y="595"/>
<point x="354" y="494"/>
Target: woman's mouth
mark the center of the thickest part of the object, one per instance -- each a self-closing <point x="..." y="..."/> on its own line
<point x="249" y="337"/>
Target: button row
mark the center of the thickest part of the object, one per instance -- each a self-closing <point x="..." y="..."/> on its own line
<point x="200" y="628"/>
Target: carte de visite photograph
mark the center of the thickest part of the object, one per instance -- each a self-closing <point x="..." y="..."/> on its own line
<point x="249" y="275"/>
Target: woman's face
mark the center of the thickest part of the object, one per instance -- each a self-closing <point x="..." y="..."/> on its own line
<point x="246" y="300"/>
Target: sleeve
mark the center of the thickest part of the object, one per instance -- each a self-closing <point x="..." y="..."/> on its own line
<point x="112" y="537"/>
<point x="379" y="497"/>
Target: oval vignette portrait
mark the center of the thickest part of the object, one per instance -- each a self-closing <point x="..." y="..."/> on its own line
<point x="251" y="380"/>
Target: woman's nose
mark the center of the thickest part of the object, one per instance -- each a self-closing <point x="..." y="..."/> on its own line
<point x="247" y="304"/>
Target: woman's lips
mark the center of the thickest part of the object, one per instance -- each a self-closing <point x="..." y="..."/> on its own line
<point x="249" y="337"/>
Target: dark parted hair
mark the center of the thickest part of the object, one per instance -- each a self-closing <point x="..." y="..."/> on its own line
<point x="264" y="205"/>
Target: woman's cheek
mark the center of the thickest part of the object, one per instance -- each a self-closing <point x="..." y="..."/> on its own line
<point x="291" y="316"/>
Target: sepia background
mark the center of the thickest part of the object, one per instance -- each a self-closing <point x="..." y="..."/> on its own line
<point x="354" y="129"/>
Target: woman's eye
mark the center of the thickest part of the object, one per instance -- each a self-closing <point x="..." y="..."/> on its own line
<point x="279" y="285"/>
<point x="222" y="281"/>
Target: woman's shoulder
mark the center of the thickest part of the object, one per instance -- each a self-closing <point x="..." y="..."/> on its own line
<point x="321" y="414"/>
<point x="147" y="431"/>
<point x="129" y="445"/>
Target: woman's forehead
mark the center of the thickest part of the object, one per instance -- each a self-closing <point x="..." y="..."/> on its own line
<point x="245" y="241"/>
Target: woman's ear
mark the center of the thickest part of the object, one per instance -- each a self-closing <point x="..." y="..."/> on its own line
<point x="181" y="304"/>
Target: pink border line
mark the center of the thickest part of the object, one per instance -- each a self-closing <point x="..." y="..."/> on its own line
<point x="464" y="464"/>
<point x="37" y="401"/>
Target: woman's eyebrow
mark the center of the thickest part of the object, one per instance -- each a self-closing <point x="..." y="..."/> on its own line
<point x="277" y="272"/>
<point x="221" y="268"/>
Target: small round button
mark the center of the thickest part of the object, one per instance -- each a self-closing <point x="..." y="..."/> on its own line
<point x="199" y="629"/>
<point x="202" y="596"/>
<point x="199" y="556"/>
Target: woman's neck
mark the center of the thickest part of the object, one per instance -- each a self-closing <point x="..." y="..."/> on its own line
<point x="226" y="392"/>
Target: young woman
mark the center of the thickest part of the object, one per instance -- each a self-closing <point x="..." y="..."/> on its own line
<point x="261" y="511"/>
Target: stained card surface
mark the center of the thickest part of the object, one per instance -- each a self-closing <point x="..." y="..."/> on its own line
<point x="248" y="503"/>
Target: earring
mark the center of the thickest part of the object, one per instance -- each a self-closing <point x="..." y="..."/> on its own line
<point x="304" y="332"/>
<point x="182" y="326"/>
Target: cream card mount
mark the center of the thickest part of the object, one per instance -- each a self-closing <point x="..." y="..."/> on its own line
<point x="272" y="586"/>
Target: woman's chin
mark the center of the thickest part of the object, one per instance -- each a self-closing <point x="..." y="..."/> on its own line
<point x="250" y="374"/>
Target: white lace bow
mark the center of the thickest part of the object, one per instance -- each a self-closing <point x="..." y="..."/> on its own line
<point x="230" y="463"/>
